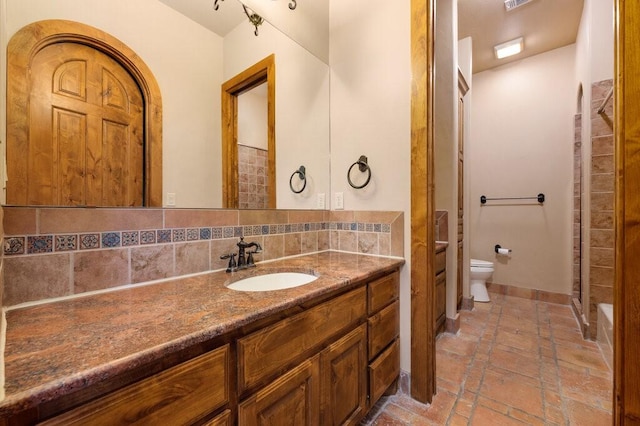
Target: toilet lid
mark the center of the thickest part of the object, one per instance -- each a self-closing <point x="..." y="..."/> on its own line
<point x="481" y="263"/>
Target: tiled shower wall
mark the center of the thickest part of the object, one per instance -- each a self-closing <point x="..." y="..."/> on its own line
<point x="601" y="261"/>
<point x="252" y="178"/>
<point x="577" y="200"/>
<point x="54" y="252"/>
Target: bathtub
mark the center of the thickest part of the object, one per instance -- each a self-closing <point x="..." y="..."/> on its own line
<point x="605" y="331"/>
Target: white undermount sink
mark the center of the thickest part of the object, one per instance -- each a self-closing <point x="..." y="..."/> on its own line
<point x="272" y="281"/>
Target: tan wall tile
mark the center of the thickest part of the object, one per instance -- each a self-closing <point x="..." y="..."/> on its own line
<point x="342" y="216"/>
<point x="191" y="218"/>
<point x="324" y="242"/>
<point x="368" y="243"/>
<point x="384" y="244"/>
<point x="292" y="244"/>
<point x="604" y="182"/>
<point x="273" y="247"/>
<point x="151" y="263"/>
<point x="601" y="257"/>
<point x="602" y="145"/>
<point x="376" y="216"/>
<point x="192" y="257"/>
<point x="262" y="217"/>
<point x="602" y="201"/>
<point x="602" y="220"/>
<point x="397" y="237"/>
<point x="309" y="242"/>
<point x="100" y="269"/>
<point x="602" y="238"/>
<point x="31" y="278"/>
<point x="348" y="241"/>
<point x="601" y="276"/>
<point x="334" y="237"/>
<point x="602" y="164"/>
<point x="561" y="299"/>
<point x="306" y="216"/>
<point x="19" y="220"/>
<point x="59" y="220"/>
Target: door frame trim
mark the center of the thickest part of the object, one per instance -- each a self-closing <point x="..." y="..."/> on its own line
<point x="21" y="50"/>
<point x="257" y="74"/>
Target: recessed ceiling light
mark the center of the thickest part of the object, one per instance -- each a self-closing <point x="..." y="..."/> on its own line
<point x="512" y="4"/>
<point x="509" y="48"/>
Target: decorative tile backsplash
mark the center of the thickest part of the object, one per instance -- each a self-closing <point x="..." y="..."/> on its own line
<point x="54" y="252"/>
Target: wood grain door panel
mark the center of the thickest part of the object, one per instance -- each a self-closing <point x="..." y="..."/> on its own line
<point x="86" y="139"/>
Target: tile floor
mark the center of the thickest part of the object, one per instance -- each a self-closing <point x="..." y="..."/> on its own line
<point x="515" y="361"/>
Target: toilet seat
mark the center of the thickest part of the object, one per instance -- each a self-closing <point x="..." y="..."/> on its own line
<point x="481" y="263"/>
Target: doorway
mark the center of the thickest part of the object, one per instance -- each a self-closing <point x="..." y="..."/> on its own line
<point x="72" y="172"/>
<point x="251" y="78"/>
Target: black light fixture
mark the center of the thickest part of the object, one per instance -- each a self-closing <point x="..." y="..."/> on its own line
<point x="255" y="19"/>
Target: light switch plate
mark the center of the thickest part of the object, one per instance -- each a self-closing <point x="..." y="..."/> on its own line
<point x="320" y="201"/>
<point x="171" y="198"/>
<point x="338" y="201"/>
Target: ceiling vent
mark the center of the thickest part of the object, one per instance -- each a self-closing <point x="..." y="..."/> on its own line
<point x="512" y="4"/>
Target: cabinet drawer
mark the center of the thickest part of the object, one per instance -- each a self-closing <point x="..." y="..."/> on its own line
<point x="383" y="291"/>
<point x="270" y="350"/>
<point x="441" y="261"/>
<point x="292" y="399"/>
<point x="383" y="328"/>
<point x="383" y="371"/>
<point x="180" y="395"/>
<point x="223" y="419"/>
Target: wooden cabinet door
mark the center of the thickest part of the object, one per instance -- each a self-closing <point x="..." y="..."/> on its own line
<point x="291" y="400"/>
<point x="86" y="132"/>
<point x="343" y="370"/>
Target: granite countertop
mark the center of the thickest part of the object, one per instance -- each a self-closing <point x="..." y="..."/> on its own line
<point x="61" y="347"/>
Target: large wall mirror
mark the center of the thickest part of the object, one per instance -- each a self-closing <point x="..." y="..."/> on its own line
<point x="192" y="49"/>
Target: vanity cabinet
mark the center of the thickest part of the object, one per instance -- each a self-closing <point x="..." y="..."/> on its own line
<point x="384" y="330"/>
<point x="182" y="394"/>
<point x="325" y="362"/>
<point x="441" y="290"/>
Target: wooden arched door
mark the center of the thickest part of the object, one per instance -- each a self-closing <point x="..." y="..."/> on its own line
<point x="83" y="120"/>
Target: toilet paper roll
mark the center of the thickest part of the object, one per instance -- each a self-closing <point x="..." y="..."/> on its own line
<point x="504" y="251"/>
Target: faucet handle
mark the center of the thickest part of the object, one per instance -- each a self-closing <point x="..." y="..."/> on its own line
<point x="232" y="267"/>
<point x="250" y="262"/>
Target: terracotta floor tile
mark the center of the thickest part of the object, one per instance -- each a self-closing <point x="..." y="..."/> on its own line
<point x="584" y="415"/>
<point x="511" y="389"/>
<point x="513" y="362"/>
<point x="485" y="417"/>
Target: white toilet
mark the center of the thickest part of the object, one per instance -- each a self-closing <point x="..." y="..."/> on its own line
<point x="481" y="271"/>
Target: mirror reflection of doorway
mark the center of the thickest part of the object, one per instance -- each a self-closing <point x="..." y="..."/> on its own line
<point x="261" y="78"/>
<point x="253" y="149"/>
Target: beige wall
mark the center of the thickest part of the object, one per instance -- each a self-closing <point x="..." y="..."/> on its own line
<point x="370" y="115"/>
<point x="522" y="129"/>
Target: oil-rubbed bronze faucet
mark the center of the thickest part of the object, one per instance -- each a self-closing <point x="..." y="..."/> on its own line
<point x="247" y="261"/>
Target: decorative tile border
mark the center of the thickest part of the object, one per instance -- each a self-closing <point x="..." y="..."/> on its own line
<point x="39" y="244"/>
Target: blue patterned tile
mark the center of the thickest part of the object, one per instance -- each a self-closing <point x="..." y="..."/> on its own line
<point x="66" y="242"/>
<point x="89" y="241"/>
<point x="14" y="245"/>
<point x="265" y="229"/>
<point x="282" y="228"/>
<point x="360" y="226"/>
<point x="353" y="226"/>
<point x="110" y="239"/>
<point x="247" y="231"/>
<point x="257" y="230"/>
<point x="216" y="233"/>
<point x="307" y="227"/>
<point x="193" y="234"/>
<point x="40" y="244"/>
<point x="147" y="237"/>
<point x="338" y="226"/>
<point x="130" y="238"/>
<point x="228" y="232"/>
<point x="385" y="227"/>
<point x="205" y="233"/>
<point x="287" y="228"/>
<point x="179" y="235"/>
<point x="377" y="227"/>
<point x="368" y="227"/>
<point x="237" y="231"/>
<point x="164" y="235"/>
<point x="334" y="225"/>
<point x="273" y="229"/>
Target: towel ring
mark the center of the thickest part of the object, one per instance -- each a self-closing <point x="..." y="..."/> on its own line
<point x="363" y="166"/>
<point x="301" y="172"/>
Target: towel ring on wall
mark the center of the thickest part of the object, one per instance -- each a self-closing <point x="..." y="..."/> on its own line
<point x="363" y="166"/>
<point x="301" y="172"/>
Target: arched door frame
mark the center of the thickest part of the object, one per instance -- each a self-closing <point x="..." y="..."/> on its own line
<point x="21" y="50"/>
